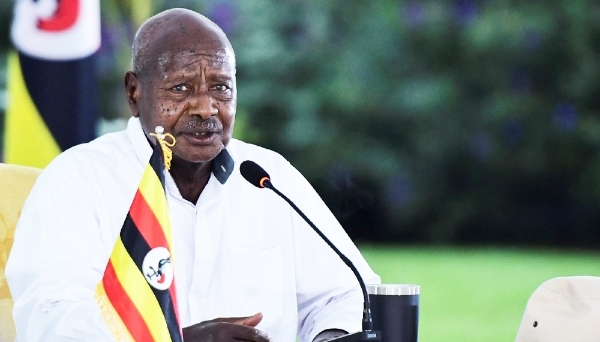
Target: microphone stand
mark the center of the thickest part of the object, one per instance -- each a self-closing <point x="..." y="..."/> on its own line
<point x="367" y="334"/>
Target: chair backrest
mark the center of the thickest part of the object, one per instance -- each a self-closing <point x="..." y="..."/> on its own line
<point x="15" y="184"/>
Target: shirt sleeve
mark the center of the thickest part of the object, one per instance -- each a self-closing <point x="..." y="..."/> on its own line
<point x="329" y="295"/>
<point x="58" y="258"/>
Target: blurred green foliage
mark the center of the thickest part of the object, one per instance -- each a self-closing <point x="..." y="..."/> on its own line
<point x="429" y="121"/>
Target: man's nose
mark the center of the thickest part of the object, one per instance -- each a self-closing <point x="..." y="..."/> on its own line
<point x="203" y="104"/>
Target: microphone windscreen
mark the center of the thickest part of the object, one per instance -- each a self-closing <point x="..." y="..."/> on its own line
<point x="253" y="173"/>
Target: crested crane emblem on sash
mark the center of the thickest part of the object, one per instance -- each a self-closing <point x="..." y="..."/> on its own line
<point x="158" y="269"/>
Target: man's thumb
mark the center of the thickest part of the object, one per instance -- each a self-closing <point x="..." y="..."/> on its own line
<point x="250" y="321"/>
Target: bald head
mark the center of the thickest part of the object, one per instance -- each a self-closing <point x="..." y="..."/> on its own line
<point x="176" y="28"/>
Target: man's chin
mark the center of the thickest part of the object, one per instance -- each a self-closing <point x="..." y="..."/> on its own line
<point x="200" y="157"/>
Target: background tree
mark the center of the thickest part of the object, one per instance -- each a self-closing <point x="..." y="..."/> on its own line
<point x="467" y="121"/>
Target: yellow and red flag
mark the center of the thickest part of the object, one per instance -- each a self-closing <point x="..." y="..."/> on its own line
<point x="137" y="293"/>
<point x="52" y="83"/>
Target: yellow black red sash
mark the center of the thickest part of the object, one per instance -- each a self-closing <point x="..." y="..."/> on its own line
<point x="137" y="293"/>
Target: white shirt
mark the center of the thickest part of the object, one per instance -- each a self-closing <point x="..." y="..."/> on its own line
<point x="238" y="251"/>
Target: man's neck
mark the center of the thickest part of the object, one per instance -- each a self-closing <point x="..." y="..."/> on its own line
<point x="190" y="178"/>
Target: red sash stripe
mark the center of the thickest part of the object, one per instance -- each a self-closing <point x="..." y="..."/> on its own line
<point x="145" y="219"/>
<point x="128" y="312"/>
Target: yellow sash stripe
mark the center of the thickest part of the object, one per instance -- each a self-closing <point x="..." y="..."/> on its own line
<point x="156" y="201"/>
<point x="138" y="289"/>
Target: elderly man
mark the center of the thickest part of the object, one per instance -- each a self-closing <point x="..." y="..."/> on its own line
<point x="247" y="266"/>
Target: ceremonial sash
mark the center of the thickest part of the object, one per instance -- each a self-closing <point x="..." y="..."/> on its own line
<point x="137" y="293"/>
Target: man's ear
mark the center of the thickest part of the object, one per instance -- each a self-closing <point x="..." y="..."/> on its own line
<point x="132" y="90"/>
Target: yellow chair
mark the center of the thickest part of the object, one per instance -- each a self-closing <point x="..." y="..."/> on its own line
<point x="15" y="184"/>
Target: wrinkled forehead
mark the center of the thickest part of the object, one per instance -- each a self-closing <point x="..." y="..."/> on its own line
<point x="219" y="58"/>
<point x="175" y="49"/>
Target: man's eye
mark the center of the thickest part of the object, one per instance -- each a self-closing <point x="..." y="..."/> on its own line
<point x="181" y="87"/>
<point x="222" y="87"/>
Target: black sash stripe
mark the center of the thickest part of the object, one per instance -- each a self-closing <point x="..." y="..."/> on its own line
<point x="156" y="161"/>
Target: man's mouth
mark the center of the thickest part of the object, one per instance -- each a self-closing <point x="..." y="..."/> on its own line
<point x="200" y="138"/>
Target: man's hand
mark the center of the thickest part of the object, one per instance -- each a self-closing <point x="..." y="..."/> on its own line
<point x="327" y="335"/>
<point x="226" y="329"/>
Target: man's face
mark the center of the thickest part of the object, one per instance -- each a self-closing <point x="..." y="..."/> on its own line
<point x="191" y="92"/>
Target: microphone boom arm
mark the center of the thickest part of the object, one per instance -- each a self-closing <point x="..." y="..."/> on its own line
<point x="258" y="177"/>
<point x="367" y="322"/>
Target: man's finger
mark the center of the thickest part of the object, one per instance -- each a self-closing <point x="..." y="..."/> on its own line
<point x="219" y="330"/>
<point x="250" y="321"/>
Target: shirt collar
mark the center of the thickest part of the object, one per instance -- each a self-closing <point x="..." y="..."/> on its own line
<point x="222" y="164"/>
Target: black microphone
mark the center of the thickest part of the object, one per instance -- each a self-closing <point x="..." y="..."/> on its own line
<point x="258" y="177"/>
